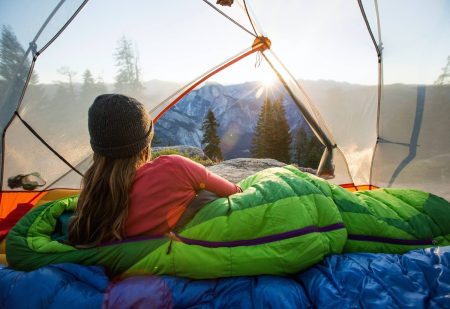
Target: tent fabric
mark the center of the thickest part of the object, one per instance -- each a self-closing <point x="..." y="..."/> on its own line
<point x="348" y="115"/>
<point x="386" y="119"/>
<point x="417" y="279"/>
<point x="283" y="221"/>
<point x="15" y="204"/>
<point x="7" y="223"/>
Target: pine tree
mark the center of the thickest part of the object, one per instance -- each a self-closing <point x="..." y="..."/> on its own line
<point x="14" y="73"/>
<point x="128" y="79"/>
<point x="281" y="133"/>
<point x="211" y="139"/>
<point x="12" y="63"/>
<point x="88" y="88"/>
<point x="444" y="78"/>
<point x="272" y="137"/>
<point x="261" y="140"/>
<point x="13" y="67"/>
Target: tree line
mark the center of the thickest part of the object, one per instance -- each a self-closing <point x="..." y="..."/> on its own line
<point x="14" y="69"/>
<point x="272" y="138"/>
<point x="127" y="80"/>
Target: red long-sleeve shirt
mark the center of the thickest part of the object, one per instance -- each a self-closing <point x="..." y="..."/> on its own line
<point x="163" y="188"/>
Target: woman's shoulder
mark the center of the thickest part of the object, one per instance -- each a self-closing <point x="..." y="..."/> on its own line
<point x="172" y="159"/>
<point x="177" y="161"/>
<point x="167" y="162"/>
<point x="157" y="162"/>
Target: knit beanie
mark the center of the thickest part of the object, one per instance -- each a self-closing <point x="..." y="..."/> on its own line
<point x="119" y="126"/>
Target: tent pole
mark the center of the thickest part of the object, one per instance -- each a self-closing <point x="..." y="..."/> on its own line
<point x="379" y="49"/>
<point x="259" y="45"/>
<point x="326" y="157"/>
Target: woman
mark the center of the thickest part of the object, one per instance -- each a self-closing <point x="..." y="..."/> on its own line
<point x="124" y="194"/>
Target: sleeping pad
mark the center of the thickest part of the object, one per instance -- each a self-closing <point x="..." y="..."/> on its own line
<point x="417" y="279"/>
<point x="284" y="221"/>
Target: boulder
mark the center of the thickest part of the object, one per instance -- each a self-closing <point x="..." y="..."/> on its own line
<point x="234" y="170"/>
<point x="237" y="169"/>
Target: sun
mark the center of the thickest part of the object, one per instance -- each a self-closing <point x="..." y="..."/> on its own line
<point x="267" y="78"/>
<point x="268" y="82"/>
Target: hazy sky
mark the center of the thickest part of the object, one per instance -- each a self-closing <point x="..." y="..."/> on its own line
<point x="179" y="40"/>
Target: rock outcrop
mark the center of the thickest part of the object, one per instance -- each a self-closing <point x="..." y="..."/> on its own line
<point x="237" y="169"/>
<point x="234" y="170"/>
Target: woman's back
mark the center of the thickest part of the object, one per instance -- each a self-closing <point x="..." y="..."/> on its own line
<point x="162" y="190"/>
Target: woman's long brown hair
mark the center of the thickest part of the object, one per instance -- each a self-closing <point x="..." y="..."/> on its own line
<point x="102" y="207"/>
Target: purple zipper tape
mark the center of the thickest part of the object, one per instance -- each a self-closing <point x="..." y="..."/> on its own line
<point x="261" y="240"/>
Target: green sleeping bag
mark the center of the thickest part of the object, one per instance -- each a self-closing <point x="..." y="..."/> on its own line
<point x="284" y="221"/>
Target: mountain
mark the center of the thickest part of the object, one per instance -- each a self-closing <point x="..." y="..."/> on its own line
<point x="178" y="128"/>
<point x="236" y="108"/>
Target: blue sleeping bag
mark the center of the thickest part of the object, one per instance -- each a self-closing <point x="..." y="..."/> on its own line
<point x="418" y="279"/>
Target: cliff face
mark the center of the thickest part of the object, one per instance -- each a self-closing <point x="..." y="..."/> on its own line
<point x="236" y="108"/>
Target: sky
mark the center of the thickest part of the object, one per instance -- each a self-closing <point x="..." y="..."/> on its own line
<point x="180" y="40"/>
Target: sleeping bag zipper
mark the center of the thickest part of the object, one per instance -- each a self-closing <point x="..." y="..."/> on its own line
<point x="261" y="240"/>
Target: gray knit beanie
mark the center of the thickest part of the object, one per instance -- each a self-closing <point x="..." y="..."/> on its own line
<point x="119" y="126"/>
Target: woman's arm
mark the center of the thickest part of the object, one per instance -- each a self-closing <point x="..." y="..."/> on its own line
<point x="202" y="179"/>
<point x="220" y="185"/>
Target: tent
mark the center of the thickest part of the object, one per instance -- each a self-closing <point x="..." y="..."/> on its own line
<point x="370" y="78"/>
